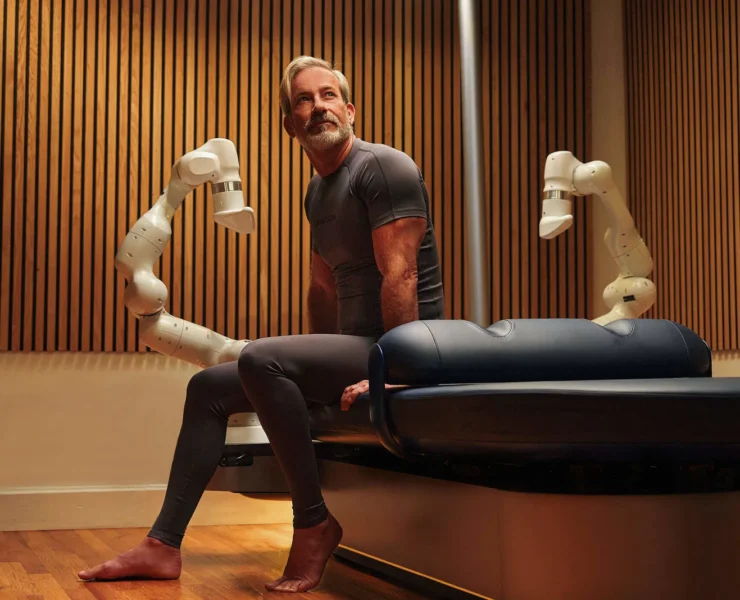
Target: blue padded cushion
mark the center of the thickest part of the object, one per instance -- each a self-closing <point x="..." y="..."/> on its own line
<point x="458" y="351"/>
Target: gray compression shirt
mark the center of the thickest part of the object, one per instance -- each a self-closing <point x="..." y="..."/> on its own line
<point x="375" y="185"/>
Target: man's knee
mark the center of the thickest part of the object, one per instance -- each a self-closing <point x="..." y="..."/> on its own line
<point x="199" y="390"/>
<point x="257" y="358"/>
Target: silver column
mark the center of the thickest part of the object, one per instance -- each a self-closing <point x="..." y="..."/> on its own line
<point x="475" y="213"/>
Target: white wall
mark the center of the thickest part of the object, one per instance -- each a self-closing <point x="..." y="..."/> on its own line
<point x="86" y="440"/>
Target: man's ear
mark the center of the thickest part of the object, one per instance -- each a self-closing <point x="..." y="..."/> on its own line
<point x="288" y="125"/>
<point x="351" y="113"/>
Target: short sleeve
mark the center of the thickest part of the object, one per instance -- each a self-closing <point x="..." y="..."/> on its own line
<point x="307" y="206"/>
<point x="390" y="184"/>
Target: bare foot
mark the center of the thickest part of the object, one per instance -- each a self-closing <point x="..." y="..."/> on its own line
<point x="151" y="559"/>
<point x="309" y="554"/>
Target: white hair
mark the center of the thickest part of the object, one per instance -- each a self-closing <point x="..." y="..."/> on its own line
<point x="305" y="62"/>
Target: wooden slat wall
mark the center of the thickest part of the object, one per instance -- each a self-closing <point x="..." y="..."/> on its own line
<point x="683" y="80"/>
<point x="99" y="99"/>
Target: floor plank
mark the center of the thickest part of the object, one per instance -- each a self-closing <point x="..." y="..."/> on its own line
<point x="47" y="587"/>
<point x="225" y="562"/>
<point x="13" y="548"/>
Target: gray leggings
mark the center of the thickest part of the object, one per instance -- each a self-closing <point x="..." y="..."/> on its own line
<point x="278" y="378"/>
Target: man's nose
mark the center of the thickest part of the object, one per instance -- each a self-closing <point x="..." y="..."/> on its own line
<point x="318" y="104"/>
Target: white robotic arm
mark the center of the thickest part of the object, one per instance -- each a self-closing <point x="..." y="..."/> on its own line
<point x="215" y="162"/>
<point x="631" y="293"/>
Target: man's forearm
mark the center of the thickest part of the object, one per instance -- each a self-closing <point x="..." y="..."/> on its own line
<point x="399" y="301"/>
<point x="322" y="311"/>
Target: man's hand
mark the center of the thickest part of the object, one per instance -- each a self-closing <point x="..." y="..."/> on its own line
<point x="351" y="392"/>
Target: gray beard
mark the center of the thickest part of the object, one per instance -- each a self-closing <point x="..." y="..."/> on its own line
<point x="327" y="139"/>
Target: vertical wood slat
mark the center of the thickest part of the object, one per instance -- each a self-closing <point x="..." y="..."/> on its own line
<point x="686" y="150"/>
<point x="66" y="176"/>
<point x="714" y="188"/>
<point x="100" y="99"/>
<point x="437" y="118"/>
<point x="250" y="154"/>
<point x="25" y="81"/>
<point x="454" y="147"/>
<point x="144" y="153"/>
<point x="724" y="167"/>
<point x="29" y="173"/>
<point x="42" y="159"/>
<point x="172" y="96"/>
<point x="682" y="76"/>
<point x="52" y="169"/>
<point x="124" y="320"/>
<point x="706" y="180"/>
<point x="732" y="23"/>
<point x="692" y="157"/>
<point x="284" y="300"/>
<point x="583" y="127"/>
<point x="668" y="150"/>
<point x="533" y="161"/>
<point x="19" y="170"/>
<point x="133" y="107"/>
<point x="88" y="177"/>
<point x="507" y="199"/>
<point x="296" y="220"/>
<point x="550" y="126"/>
<point x="515" y="196"/>
<point x="6" y="225"/>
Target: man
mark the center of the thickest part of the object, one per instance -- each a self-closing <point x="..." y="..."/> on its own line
<point x="374" y="266"/>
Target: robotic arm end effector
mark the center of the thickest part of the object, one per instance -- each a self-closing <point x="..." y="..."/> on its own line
<point x="556" y="218"/>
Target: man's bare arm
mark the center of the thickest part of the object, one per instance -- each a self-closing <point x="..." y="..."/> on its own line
<point x="322" y="298"/>
<point x="396" y="246"/>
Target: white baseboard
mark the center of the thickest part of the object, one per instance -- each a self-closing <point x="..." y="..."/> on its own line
<point x="28" y="509"/>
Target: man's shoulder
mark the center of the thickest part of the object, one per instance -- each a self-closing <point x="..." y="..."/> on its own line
<point x="313" y="182"/>
<point x="381" y="152"/>
<point x="310" y="189"/>
<point x="384" y="158"/>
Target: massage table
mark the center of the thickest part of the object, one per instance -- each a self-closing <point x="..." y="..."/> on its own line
<point x="535" y="458"/>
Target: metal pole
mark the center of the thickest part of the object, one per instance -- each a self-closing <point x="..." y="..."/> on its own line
<point x="478" y="283"/>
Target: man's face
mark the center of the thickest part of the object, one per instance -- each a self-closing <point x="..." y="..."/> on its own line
<point x="319" y="117"/>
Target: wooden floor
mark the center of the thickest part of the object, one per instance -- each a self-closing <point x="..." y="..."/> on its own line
<point x="219" y="562"/>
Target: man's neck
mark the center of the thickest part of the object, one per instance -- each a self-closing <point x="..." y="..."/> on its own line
<point x="327" y="161"/>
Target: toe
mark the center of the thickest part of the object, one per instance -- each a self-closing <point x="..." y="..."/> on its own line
<point x="273" y="584"/>
<point x="305" y="586"/>
<point x="294" y="585"/>
<point x="92" y="573"/>
<point x="113" y="569"/>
